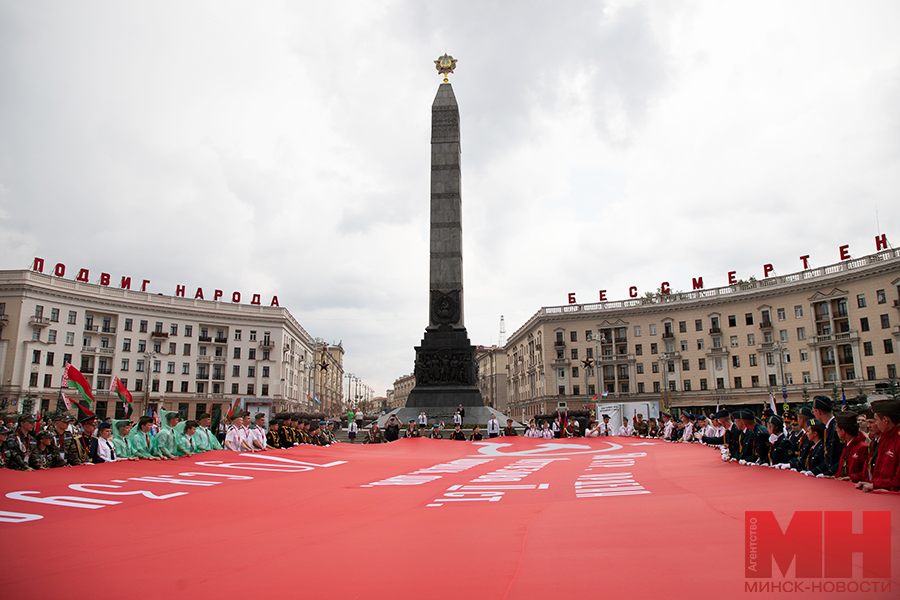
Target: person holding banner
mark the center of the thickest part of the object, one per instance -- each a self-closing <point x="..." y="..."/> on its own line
<point x="204" y="438"/>
<point x="164" y="441"/>
<point x="65" y="439"/>
<point x="141" y="442"/>
<point x="121" y="428"/>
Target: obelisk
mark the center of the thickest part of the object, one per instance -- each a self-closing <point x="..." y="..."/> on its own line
<point x="445" y="368"/>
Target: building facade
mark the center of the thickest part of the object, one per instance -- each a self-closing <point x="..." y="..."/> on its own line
<point x="170" y="352"/>
<point x="492" y="376"/>
<point x="329" y="378"/>
<point x="831" y="330"/>
<point x="402" y="387"/>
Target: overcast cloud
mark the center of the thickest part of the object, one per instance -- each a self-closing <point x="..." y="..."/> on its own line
<point x="283" y="148"/>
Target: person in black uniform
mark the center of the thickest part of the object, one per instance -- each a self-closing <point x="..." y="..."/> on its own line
<point x="834" y="446"/>
<point x="20" y="444"/>
<point x="46" y="455"/>
<point x="509" y="430"/>
<point x="781" y="449"/>
<point x="4" y="451"/>
<point x="63" y="439"/>
<point x="436" y="432"/>
<point x="411" y="430"/>
<point x="816" y="455"/>
<point x="761" y="443"/>
<point x="747" y="447"/>
<point x="457" y="434"/>
<point x="392" y="430"/>
<point x="476" y="435"/>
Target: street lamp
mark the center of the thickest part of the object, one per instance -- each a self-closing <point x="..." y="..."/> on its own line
<point x="149" y="356"/>
<point x="779" y="347"/>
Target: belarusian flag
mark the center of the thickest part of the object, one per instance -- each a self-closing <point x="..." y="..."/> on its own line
<point x="67" y="401"/>
<point x="72" y="377"/>
<point x="124" y="395"/>
<point x="235" y="406"/>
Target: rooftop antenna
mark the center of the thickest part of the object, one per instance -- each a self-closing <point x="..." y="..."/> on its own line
<point x="502" y="341"/>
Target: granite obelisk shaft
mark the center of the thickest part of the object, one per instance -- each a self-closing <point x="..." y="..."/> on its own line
<point x="445" y="370"/>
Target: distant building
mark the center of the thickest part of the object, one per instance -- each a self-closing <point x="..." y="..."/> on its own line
<point x="170" y="352"/>
<point x="492" y="376"/>
<point x="402" y="387"/>
<point x="329" y="378"/>
<point x="812" y="332"/>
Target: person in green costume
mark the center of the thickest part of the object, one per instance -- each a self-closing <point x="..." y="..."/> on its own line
<point x="185" y="443"/>
<point x="121" y="441"/>
<point x="204" y="438"/>
<point x="141" y="441"/>
<point x="165" y="440"/>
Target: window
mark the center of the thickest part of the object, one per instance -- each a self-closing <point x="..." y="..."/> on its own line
<point x="67" y="359"/>
<point x="698" y="325"/>
<point x="682" y="326"/>
<point x="718" y="364"/>
<point x="126" y="345"/>
<point x="236" y="371"/>
<point x="684" y="346"/>
<point x="639" y="368"/>
<point x="220" y="351"/>
<point x="237" y="335"/>
<point x="188" y="330"/>
<point x="703" y="385"/>
<point x="265" y="389"/>
<point x="767" y="337"/>
<point x="717" y="342"/>
<point x="888" y="347"/>
<point x="124" y="364"/>
<point x="143" y="327"/>
<point x="892" y="371"/>
<point x="158" y="328"/>
<point x="732" y="321"/>
<point x="204" y="333"/>
<point x="754" y="381"/>
<point x="588" y="335"/>
<point x="687" y="385"/>
<point x="798" y="312"/>
<point x="170" y="386"/>
<point x="653" y="348"/>
<point x="251" y="354"/>
<point x="51" y="336"/>
<point x="49" y="359"/>
<point x="861" y="300"/>
<point x="237" y="352"/>
<point x="139" y="366"/>
<point x="202" y="350"/>
<point x="35" y="357"/>
<point x="73" y="315"/>
<point x="867" y="348"/>
<point x="737" y="383"/>
<point x="265" y="355"/>
<point x="234" y="388"/>
<point x="172" y="347"/>
<point x="801" y="333"/>
<point x="701" y="364"/>
<point x="187" y="350"/>
<point x="804" y="355"/>
<point x="33" y="380"/>
<point x="573" y="336"/>
<point x="720" y="383"/>
<point x="640" y="387"/>
<point x="86" y="341"/>
<point x="700" y="344"/>
<point x="170" y="367"/>
<point x="751" y="339"/>
<point x="880" y="296"/>
<point x="736" y="361"/>
<point x="574" y="353"/>
<point x="870" y="373"/>
<point x="173" y="330"/>
<point x="637" y="331"/>
<point x="185" y="368"/>
<point x="250" y="390"/>
<point x="654" y="367"/>
<point x="656" y="386"/>
<point x="252" y="336"/>
<point x="54" y="315"/>
<point x="265" y="372"/>
<point x="770" y="359"/>
<point x="157" y="347"/>
<point x="885" y="321"/>
<point x="589" y="352"/>
<point x="184" y="387"/>
<point x="157" y="366"/>
<point x="201" y="387"/>
<point x="782" y="334"/>
<point x="142" y="346"/>
<point x="781" y="314"/>
<point x="748" y="318"/>
<point x="638" y="349"/>
<point x="734" y="341"/>
<point x="139" y="385"/>
<point x="559" y="337"/>
<point x="753" y="360"/>
<point x="36" y="333"/>
<point x="251" y="372"/>
<point x="685" y="364"/>
<point x="773" y="381"/>
<point x="652" y="328"/>
<point x="70" y="338"/>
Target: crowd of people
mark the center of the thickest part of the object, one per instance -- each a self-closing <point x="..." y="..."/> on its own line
<point x="416" y="428"/>
<point x="60" y="440"/>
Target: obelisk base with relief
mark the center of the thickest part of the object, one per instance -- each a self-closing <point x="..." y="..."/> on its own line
<point x="446" y="371"/>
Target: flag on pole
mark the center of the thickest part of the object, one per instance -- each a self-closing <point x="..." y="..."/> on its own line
<point x="67" y="401"/>
<point x="235" y="406"/>
<point x="843" y="401"/>
<point x="124" y="395"/>
<point x="316" y="398"/>
<point x="772" y="404"/>
<point x="73" y="378"/>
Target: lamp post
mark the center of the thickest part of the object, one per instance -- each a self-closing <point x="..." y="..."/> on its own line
<point x="149" y="356"/>
<point x="779" y="348"/>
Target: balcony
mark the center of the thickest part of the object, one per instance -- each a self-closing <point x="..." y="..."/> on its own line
<point x="267" y="344"/>
<point x="88" y="350"/>
<point x="221" y="340"/>
<point x="38" y="321"/>
<point x="106" y="371"/>
<point x="559" y="344"/>
<point x="204" y="338"/>
<point x="84" y="369"/>
<point x="89" y="327"/>
<point x="106" y="350"/>
<point x="896" y="305"/>
<point x="203" y="376"/>
<point x="715" y="331"/>
<point x="846" y="360"/>
<point x="4" y="319"/>
<point x="159" y="334"/>
<point x="835" y="337"/>
<point x="667" y="335"/>
<point x="220" y="359"/>
<point x="765" y="325"/>
<point x="829" y="362"/>
<point x="107" y="330"/>
<point x="204" y="359"/>
<point x="622" y="340"/>
<point x="218" y="377"/>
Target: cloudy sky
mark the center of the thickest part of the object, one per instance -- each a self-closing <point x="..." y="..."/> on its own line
<point x="283" y="148"/>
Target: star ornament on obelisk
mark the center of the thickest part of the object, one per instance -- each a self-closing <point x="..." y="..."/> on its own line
<point x="446" y="371"/>
<point x="444" y="65"/>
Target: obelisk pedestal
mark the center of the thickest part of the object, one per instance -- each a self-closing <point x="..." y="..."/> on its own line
<point x="446" y="371"/>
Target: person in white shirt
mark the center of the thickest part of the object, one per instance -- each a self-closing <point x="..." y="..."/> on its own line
<point x="687" y="436"/>
<point x="457" y="418"/>
<point x="626" y="429"/>
<point x="555" y="428"/>
<point x="593" y="430"/>
<point x="493" y="427"/>
<point x="352" y="428"/>
<point x="532" y="431"/>
<point x="546" y="432"/>
<point x="669" y="426"/>
<point x="605" y="428"/>
<point x="257" y="434"/>
<point x="423" y="420"/>
<point x="102" y="449"/>
<point x="235" y="439"/>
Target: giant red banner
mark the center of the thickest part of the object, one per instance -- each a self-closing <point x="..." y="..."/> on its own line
<point x="505" y="518"/>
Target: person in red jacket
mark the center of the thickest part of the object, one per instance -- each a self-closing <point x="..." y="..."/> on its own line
<point x="887" y="466"/>
<point x="852" y="464"/>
